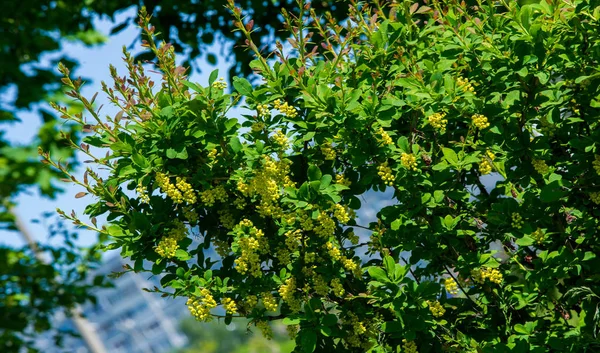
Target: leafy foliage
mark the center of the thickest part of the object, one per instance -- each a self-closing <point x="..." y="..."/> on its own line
<point x="426" y="100"/>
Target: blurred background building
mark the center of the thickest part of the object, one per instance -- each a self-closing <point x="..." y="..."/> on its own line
<point x="127" y="318"/>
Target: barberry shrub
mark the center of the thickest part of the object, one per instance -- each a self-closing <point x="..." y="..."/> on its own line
<point x="423" y="100"/>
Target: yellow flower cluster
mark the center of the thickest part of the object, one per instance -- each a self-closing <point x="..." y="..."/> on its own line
<point x="292" y="331"/>
<point x="268" y="183"/>
<point x="436" y="308"/>
<point x="269" y="301"/>
<point x="480" y="121"/>
<point x="357" y="329"/>
<point x="385" y="138"/>
<point x="490" y="155"/>
<point x="289" y="111"/>
<point x="143" y="194"/>
<point x="230" y="306"/>
<point x="438" y="121"/>
<point x="409" y="161"/>
<point x="286" y="291"/>
<point x="263" y="110"/>
<point x="250" y="302"/>
<point x="596" y="164"/>
<point x="221" y="247"/>
<point x="409" y="347"/>
<point x="168" y="188"/>
<point x="538" y="236"/>
<point x="451" y="286"/>
<point x="385" y="173"/>
<point x="350" y="265"/>
<point x="341" y="213"/>
<point x="540" y="166"/>
<point x="465" y="84"/>
<point x="340" y="179"/>
<point x="178" y="231"/>
<point x="485" y="167"/>
<point x="353" y="238"/>
<point x="338" y="288"/>
<point x="280" y="139"/>
<point x="190" y="214"/>
<point x="212" y="153"/>
<point x="189" y="196"/>
<point x="220" y="83"/>
<point x="328" y="152"/>
<point x="200" y="307"/>
<point x="484" y="273"/>
<point x="251" y="242"/>
<point x="517" y="220"/>
<point x="333" y="251"/>
<point x="211" y="196"/>
<point x="595" y="197"/>
<point x="325" y="225"/>
<point x="167" y="247"/>
<point x="226" y="219"/>
<point x="546" y="127"/>
<point x="306" y="223"/>
<point x="292" y="239"/>
<point x="264" y="328"/>
<point x="320" y="285"/>
<point x="257" y="127"/>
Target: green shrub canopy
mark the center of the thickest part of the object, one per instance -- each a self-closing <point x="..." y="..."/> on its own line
<point x="423" y="99"/>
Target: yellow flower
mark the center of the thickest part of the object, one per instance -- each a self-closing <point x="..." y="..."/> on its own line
<point x="465" y="84"/>
<point x="230" y="306"/>
<point x="328" y="152"/>
<point x="409" y="347"/>
<point x="437" y="121"/>
<point x="595" y="197"/>
<point x="264" y="328"/>
<point x="436" y="308"/>
<point x="167" y="247"/>
<point x="409" y="161"/>
<point x="492" y="274"/>
<point x="385" y="173"/>
<point x="143" y="194"/>
<point x="485" y="167"/>
<point x="451" y="286"/>
<point x="517" y="220"/>
<point x="269" y="301"/>
<point x="596" y="164"/>
<point x="280" y="139"/>
<point x="538" y="236"/>
<point x="338" y="288"/>
<point x="540" y="166"/>
<point x="480" y="121"/>
<point x="385" y="138"/>
<point x="220" y="84"/>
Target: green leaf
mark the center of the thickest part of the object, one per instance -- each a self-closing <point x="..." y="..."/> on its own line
<point x="139" y="160"/>
<point x="308" y="341"/>
<point x="173" y="153"/>
<point x="182" y="255"/>
<point x="314" y="173"/>
<point x="242" y="86"/>
<point x="390" y="266"/>
<point x="208" y="275"/>
<point x="525" y="241"/>
<point x="450" y="156"/>
<point x="235" y="144"/>
<point x="403" y="144"/>
<point x="377" y="273"/>
<point x="213" y="77"/>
